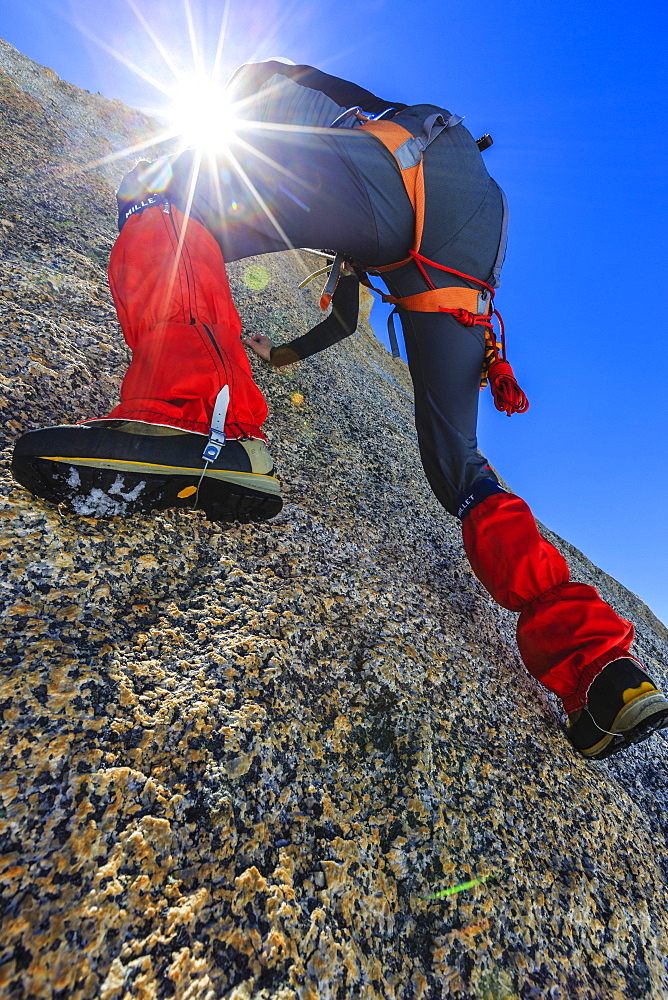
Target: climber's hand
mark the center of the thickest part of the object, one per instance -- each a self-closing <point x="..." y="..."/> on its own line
<point x="260" y="344"/>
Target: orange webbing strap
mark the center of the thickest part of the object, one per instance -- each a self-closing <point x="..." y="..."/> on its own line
<point x="440" y="300"/>
<point x="451" y="299"/>
<point x="392" y="137"/>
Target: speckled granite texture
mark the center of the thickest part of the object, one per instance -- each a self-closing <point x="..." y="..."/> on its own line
<point x="236" y="763"/>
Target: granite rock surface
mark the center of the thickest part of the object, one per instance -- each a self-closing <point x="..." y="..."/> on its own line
<point x="239" y="762"/>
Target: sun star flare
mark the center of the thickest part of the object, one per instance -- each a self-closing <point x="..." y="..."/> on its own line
<point x="202" y="116"/>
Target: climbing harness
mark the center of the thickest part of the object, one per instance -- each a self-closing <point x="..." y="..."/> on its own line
<point x="469" y="306"/>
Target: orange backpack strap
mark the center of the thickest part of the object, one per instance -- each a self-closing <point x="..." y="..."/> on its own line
<point x="398" y="140"/>
<point x="408" y="151"/>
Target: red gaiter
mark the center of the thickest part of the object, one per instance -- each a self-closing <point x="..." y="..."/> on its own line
<point x="173" y="300"/>
<point x="566" y="634"/>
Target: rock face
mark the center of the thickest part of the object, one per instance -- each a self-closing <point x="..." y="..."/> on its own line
<point x="238" y="763"/>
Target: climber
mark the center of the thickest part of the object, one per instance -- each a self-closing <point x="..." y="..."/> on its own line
<point x="308" y="168"/>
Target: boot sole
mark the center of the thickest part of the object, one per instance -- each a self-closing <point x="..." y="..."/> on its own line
<point x="104" y="488"/>
<point x="633" y="724"/>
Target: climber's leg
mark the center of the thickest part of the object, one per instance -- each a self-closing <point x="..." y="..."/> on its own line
<point x="567" y="635"/>
<point x="445" y="361"/>
<point x="570" y="640"/>
<point x="292" y="189"/>
<point x="189" y="371"/>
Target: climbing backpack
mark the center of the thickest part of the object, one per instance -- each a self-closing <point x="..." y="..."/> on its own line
<point x="469" y="306"/>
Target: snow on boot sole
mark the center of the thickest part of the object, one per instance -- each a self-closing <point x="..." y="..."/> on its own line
<point x="109" y="488"/>
<point x="120" y="468"/>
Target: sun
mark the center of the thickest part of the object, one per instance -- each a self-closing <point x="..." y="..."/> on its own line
<point x="201" y="116"/>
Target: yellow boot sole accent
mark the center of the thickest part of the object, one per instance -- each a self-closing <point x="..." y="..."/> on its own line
<point x="630" y="694"/>
<point x="252" y="480"/>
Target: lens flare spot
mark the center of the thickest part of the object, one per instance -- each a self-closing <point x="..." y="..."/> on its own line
<point x="157" y="175"/>
<point x="297" y="399"/>
<point x="462" y="887"/>
<point x="256" y="277"/>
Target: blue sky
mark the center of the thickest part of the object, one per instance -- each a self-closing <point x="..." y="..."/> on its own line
<point x="574" y="95"/>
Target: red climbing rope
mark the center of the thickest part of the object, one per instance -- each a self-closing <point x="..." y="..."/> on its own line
<point x="508" y="396"/>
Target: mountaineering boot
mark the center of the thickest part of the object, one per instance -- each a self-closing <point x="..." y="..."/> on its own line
<point x="117" y="468"/>
<point x="623" y="706"/>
